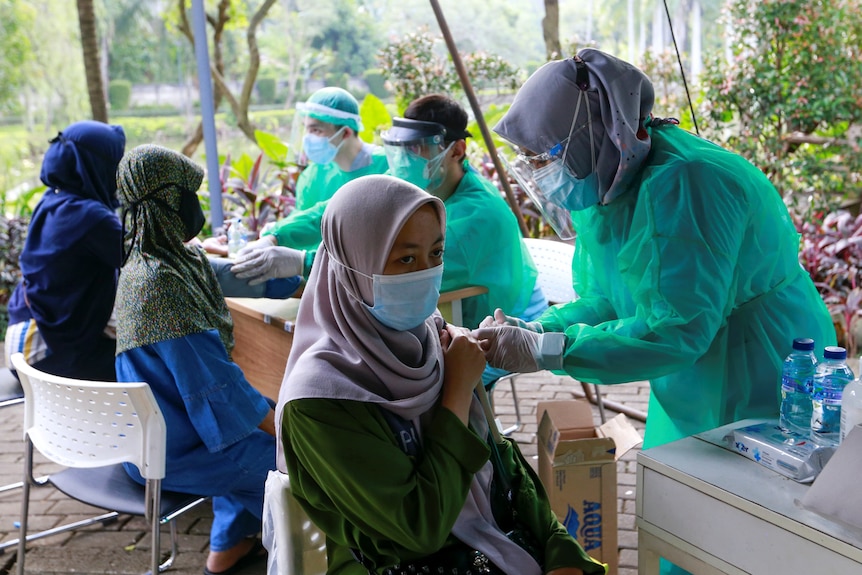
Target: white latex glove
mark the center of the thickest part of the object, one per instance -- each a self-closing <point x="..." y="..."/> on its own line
<point x="263" y="242"/>
<point x="268" y="263"/>
<point x="520" y="350"/>
<point x="500" y="318"/>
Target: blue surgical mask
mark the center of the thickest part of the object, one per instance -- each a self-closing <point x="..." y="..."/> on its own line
<point x="320" y="149"/>
<point x="563" y="189"/>
<point x="404" y="301"/>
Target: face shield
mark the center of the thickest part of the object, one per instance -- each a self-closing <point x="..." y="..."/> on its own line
<point x="415" y="151"/>
<point x="549" y="178"/>
<point x="318" y="132"/>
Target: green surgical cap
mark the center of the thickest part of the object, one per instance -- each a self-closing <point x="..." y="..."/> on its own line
<point x="333" y="105"/>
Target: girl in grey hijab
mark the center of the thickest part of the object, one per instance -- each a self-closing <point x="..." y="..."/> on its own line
<point x="381" y="435"/>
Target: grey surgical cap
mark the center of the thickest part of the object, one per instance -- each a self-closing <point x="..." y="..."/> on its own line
<point x="541" y="115"/>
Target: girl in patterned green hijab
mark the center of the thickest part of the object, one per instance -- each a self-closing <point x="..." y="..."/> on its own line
<point x="166" y="290"/>
<point x="174" y="332"/>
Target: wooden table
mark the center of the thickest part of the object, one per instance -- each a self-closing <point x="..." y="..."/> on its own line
<point x="713" y="511"/>
<point x="263" y="335"/>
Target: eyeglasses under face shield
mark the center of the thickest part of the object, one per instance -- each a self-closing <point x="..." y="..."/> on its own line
<point x="528" y="169"/>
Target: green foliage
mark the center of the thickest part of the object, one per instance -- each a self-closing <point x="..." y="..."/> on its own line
<point x="15" y="18"/>
<point x="347" y="29"/>
<point x="418" y="64"/>
<point x="119" y="94"/>
<point x="266" y="90"/>
<point x="259" y="191"/>
<point x="337" y="79"/>
<point x="376" y="81"/>
<point x="792" y="93"/>
<point x="13" y="232"/>
<point x="375" y="117"/>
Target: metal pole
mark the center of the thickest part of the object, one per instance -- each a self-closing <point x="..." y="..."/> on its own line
<point x="477" y="111"/>
<point x="199" y="26"/>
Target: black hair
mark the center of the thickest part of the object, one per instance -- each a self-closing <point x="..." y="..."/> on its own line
<point x="443" y="110"/>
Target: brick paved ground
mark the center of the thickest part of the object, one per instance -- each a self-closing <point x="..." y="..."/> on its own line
<point x="122" y="547"/>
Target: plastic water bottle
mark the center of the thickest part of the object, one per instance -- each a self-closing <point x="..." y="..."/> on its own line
<point x="797" y="379"/>
<point x="830" y="378"/>
<point x="236" y="237"/>
<point x="851" y="404"/>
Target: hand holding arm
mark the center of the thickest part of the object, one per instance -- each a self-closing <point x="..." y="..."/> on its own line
<point x="262" y="264"/>
<point x="520" y="350"/>
<point x="262" y="242"/>
<point x="500" y="318"/>
<point x="463" y="366"/>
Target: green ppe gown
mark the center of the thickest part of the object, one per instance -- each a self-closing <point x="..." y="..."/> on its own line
<point x="691" y="280"/>
<point x="484" y="248"/>
<point x="318" y="182"/>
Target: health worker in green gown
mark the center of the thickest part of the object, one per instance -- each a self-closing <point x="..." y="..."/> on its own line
<point x="685" y="256"/>
<point x="427" y="147"/>
<point x="328" y="138"/>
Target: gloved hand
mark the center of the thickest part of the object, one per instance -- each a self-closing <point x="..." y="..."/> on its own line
<point x="268" y="263"/>
<point x="262" y="242"/>
<point x="520" y="350"/>
<point x="500" y="318"/>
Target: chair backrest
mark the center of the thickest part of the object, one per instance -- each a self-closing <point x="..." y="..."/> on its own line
<point x="296" y="546"/>
<point x="553" y="260"/>
<point x="79" y="423"/>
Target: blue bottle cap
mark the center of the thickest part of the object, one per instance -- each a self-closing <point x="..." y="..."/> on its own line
<point x="834" y="352"/>
<point x="803" y="344"/>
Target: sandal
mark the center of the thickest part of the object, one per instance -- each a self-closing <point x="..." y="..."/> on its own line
<point x="254" y="555"/>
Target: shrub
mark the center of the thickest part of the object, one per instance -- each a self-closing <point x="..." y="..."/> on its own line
<point x="13" y="231"/>
<point x="120" y="94"/>
<point x="266" y="90"/>
<point x="376" y="82"/>
<point x="337" y="79"/>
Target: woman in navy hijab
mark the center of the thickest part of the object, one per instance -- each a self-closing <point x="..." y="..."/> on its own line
<point x="59" y="314"/>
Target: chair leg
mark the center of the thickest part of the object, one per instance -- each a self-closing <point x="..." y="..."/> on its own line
<point x="25" y="504"/>
<point x="517" y="425"/>
<point x="599" y="402"/>
<point x="154" y="502"/>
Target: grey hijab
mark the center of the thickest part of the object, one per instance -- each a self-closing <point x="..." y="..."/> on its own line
<point x="621" y="99"/>
<point x="341" y="352"/>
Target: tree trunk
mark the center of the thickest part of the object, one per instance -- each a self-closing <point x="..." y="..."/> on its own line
<point x="240" y="105"/>
<point x="92" y="64"/>
<point x="551" y="29"/>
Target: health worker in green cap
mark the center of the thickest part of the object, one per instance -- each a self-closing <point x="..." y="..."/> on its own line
<point x="428" y="148"/>
<point x="328" y="138"/>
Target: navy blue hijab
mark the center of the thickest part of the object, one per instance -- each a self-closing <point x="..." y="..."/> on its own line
<point x="82" y="160"/>
<point x="73" y="251"/>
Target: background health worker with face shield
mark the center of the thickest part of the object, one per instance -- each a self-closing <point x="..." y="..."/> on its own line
<point x="483" y="242"/>
<point x="685" y="261"/>
<point x="329" y="139"/>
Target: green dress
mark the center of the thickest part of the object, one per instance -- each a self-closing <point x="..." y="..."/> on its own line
<point x="691" y="280"/>
<point x="349" y="474"/>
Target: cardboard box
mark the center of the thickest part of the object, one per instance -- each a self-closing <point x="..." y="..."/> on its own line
<point x="577" y="466"/>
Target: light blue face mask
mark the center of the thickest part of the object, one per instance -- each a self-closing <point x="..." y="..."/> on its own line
<point x="557" y="182"/>
<point x="563" y="189"/>
<point x="404" y="301"/>
<point x="426" y="174"/>
<point x="320" y="149"/>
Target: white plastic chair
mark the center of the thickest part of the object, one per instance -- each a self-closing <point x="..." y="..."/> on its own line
<point x="295" y="545"/>
<point x="92" y="428"/>
<point x="553" y="260"/>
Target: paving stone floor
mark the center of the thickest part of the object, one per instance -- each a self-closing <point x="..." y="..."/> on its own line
<point x="122" y="548"/>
